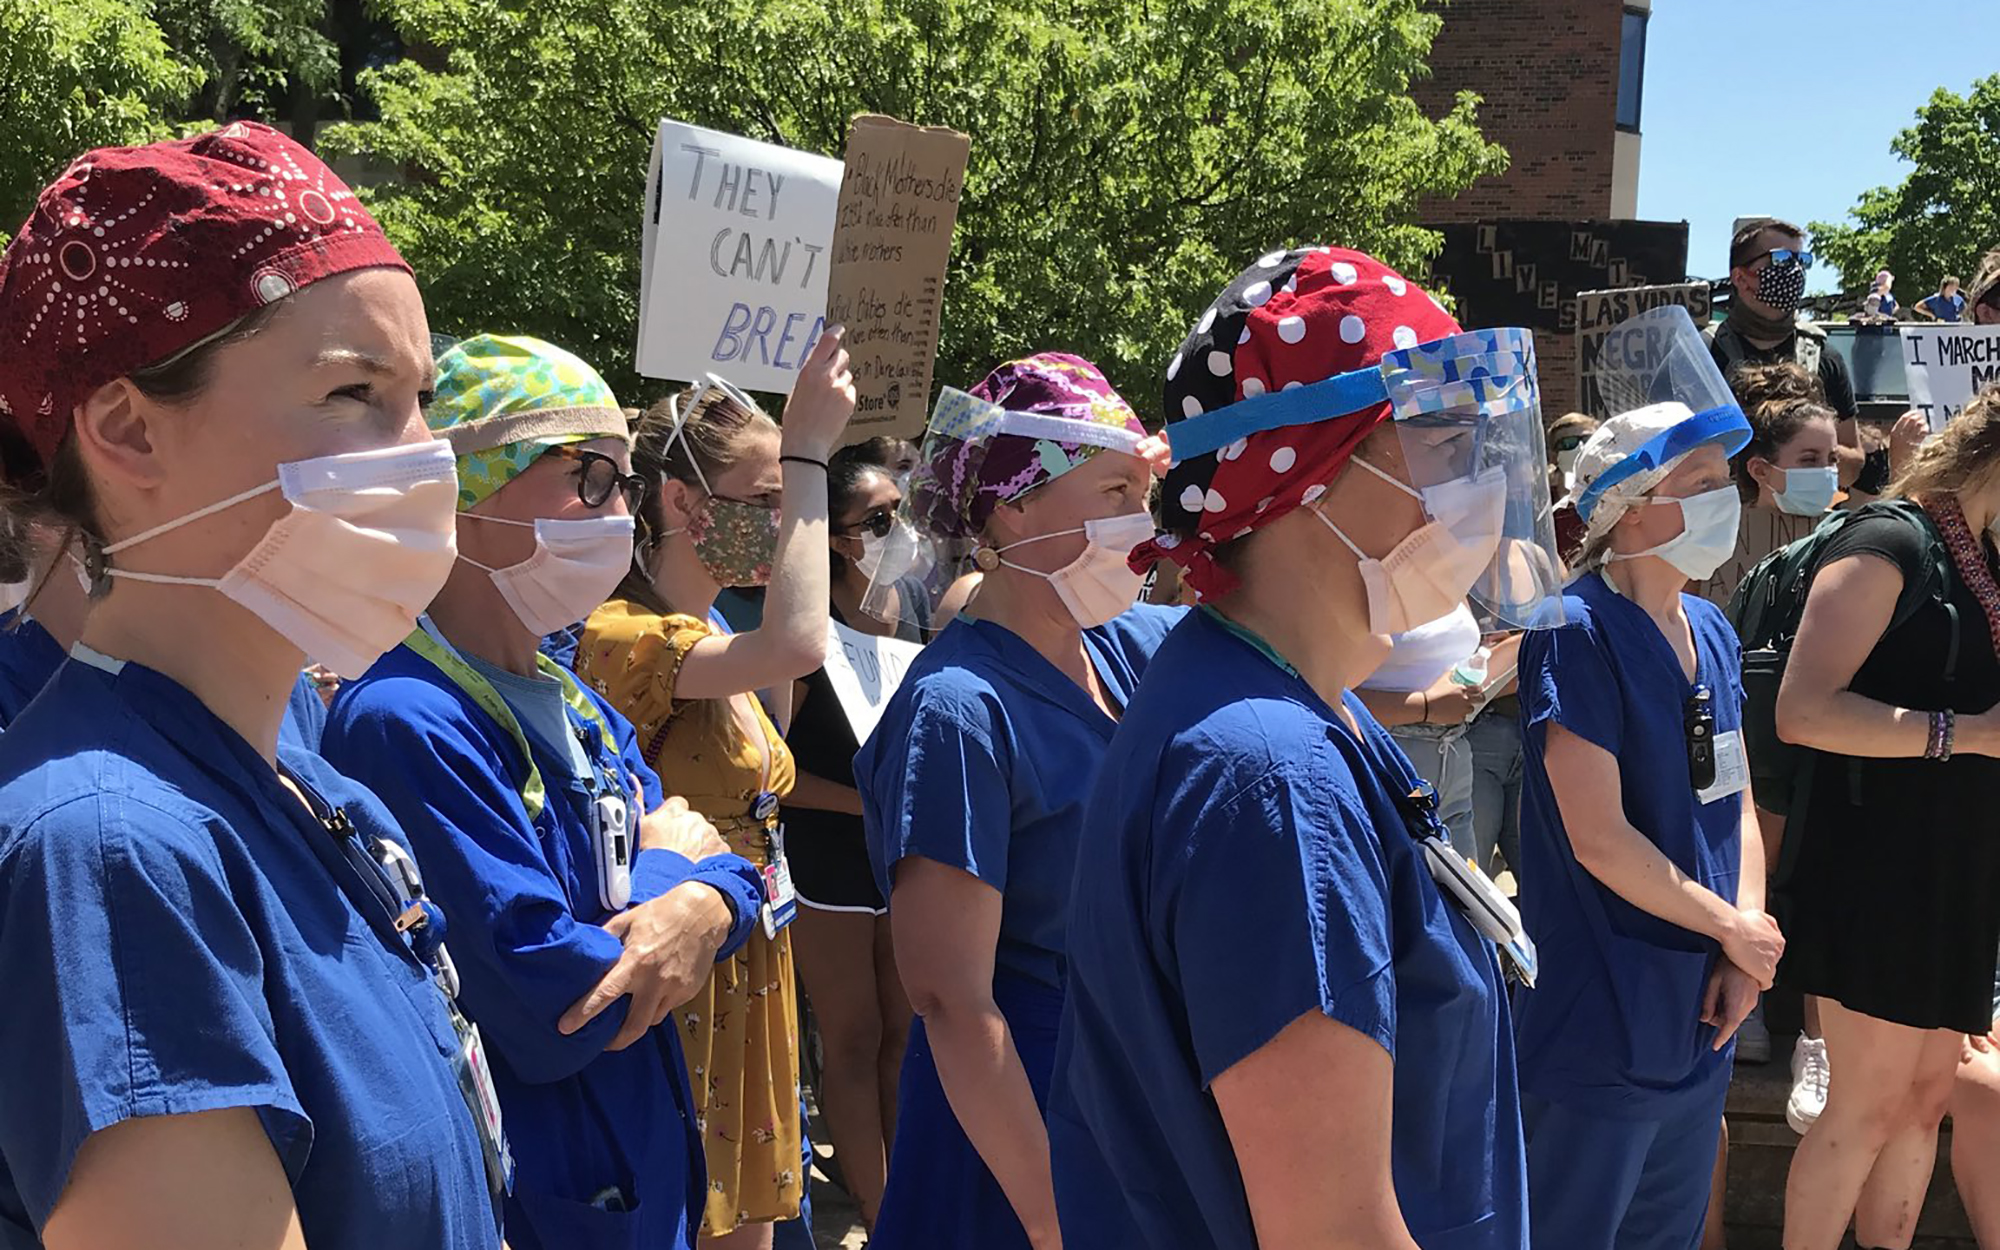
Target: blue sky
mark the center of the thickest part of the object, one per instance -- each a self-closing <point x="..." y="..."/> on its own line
<point x="1847" y="74"/>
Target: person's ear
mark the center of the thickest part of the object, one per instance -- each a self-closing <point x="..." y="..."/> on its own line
<point x="1632" y="517"/>
<point x="680" y="503"/>
<point x="1008" y="522"/>
<point x="120" y="434"/>
<point x="1762" y="472"/>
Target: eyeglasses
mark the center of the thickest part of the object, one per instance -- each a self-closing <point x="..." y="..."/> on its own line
<point x="599" y="476"/>
<point x="878" y="522"/>
<point x="1781" y="256"/>
<point x="1570" y="442"/>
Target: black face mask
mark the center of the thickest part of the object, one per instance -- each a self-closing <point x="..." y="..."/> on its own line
<point x="1782" y="286"/>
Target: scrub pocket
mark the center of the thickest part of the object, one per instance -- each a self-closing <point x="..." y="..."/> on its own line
<point x="1659" y="991"/>
<point x="566" y="1224"/>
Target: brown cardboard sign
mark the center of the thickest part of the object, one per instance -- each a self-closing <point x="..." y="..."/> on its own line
<point x="891" y="240"/>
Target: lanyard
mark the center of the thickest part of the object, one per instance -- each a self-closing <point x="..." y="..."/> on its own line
<point x="431" y="645"/>
<point x="336" y="843"/>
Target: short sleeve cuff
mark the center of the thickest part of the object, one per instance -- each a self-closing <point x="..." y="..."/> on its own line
<point x="1367" y="1007"/>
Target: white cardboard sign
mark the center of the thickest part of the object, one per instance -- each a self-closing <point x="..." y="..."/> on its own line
<point x="865" y="671"/>
<point x="1947" y="365"/>
<point x="733" y="257"/>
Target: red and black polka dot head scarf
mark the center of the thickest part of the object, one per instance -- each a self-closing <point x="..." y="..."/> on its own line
<point x="1291" y="319"/>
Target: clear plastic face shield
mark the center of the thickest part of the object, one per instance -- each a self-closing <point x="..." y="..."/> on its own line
<point x="1467" y="413"/>
<point x="1658" y="358"/>
<point x="926" y="559"/>
<point x="1468" y="409"/>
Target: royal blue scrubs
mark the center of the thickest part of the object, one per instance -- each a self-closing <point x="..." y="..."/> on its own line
<point x="178" y="934"/>
<point x="605" y="1150"/>
<point x="29" y="657"/>
<point x="1249" y="861"/>
<point x="983" y="761"/>
<point x="1622" y="1088"/>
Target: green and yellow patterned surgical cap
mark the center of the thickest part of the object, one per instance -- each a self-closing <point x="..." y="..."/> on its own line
<point x="503" y="400"/>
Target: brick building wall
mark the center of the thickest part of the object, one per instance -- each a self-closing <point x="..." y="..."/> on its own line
<point x="1546" y="72"/>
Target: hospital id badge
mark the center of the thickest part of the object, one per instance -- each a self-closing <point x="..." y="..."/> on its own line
<point x="1732" y="768"/>
<point x="781" y="898"/>
<point x="1480" y="901"/>
<point x="475" y="1083"/>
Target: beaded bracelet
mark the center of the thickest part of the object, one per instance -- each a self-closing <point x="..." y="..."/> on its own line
<point x="1944" y="727"/>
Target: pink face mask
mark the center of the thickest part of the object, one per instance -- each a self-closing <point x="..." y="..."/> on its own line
<point x="366" y="546"/>
<point x="1429" y="573"/>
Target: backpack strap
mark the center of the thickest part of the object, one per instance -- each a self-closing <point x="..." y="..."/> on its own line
<point x="428" y="643"/>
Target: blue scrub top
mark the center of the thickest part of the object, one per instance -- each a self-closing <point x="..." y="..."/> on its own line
<point x="1249" y="862"/>
<point x="29" y="657"/>
<point x="181" y="936"/>
<point x="1614" y="1022"/>
<point x="523" y="899"/>
<point x="982" y="761"/>
<point x="1944" y="309"/>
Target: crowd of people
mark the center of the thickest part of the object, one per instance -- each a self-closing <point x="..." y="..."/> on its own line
<point x="1349" y="818"/>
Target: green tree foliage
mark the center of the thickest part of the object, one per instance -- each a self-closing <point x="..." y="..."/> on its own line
<point x="1129" y="156"/>
<point x="1944" y="215"/>
<point x="77" y="74"/>
<point x="254" y="54"/>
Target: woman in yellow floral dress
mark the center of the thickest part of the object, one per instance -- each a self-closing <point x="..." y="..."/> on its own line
<point x="715" y="470"/>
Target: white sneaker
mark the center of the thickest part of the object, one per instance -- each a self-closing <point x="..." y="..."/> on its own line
<point x="1810" y="1075"/>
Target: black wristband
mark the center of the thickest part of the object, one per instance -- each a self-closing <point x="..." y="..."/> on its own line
<point x="817" y="464"/>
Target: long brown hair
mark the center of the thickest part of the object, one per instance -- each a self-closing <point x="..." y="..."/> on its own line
<point x="709" y="443"/>
<point x="1961" y="456"/>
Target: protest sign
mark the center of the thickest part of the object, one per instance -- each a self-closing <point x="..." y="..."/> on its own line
<point x="1947" y="365"/>
<point x="733" y="257"/>
<point x="865" y="670"/>
<point x="1599" y="312"/>
<point x="891" y="239"/>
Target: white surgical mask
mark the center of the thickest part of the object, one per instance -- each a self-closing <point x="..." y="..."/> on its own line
<point x="1429" y="573"/>
<point x="1808" y="492"/>
<point x="1708" y="533"/>
<point x="1566" y="466"/>
<point x="873" y="549"/>
<point x="1099" y="584"/>
<point x="575" y="567"/>
<point x="366" y="546"/>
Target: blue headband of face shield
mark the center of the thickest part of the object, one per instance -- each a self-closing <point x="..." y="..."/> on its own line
<point x="1724" y="424"/>
<point x="1482" y="368"/>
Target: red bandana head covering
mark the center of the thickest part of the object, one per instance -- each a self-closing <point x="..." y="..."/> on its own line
<point x="135" y="254"/>
<point x="1293" y="318"/>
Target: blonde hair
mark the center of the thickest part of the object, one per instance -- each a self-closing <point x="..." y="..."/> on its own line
<point x="1961" y="456"/>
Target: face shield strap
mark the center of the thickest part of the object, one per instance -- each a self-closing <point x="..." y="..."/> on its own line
<point x="968" y="418"/>
<point x="1487" y="372"/>
<point x="1724" y="423"/>
<point x="1337" y="396"/>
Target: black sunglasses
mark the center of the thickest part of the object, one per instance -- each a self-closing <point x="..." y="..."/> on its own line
<point x="599" y="475"/>
<point x="878" y="522"/>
